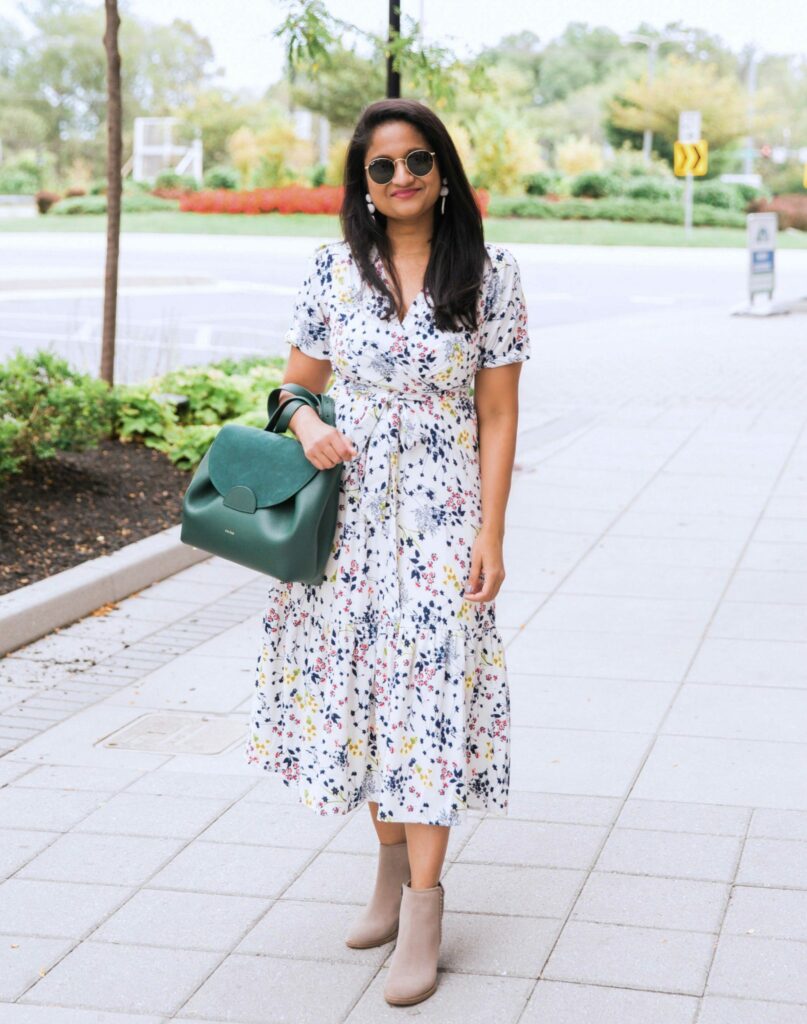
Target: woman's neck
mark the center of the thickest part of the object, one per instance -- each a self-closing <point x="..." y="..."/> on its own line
<point x="410" y="238"/>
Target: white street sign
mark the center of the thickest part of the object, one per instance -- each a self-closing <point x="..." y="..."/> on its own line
<point x="689" y="126"/>
<point x="761" y="229"/>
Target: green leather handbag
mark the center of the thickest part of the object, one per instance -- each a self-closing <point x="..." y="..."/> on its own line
<point x="255" y="498"/>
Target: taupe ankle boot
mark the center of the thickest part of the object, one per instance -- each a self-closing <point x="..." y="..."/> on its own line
<point x="413" y="966"/>
<point x="378" y="922"/>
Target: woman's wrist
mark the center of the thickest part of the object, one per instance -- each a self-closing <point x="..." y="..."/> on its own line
<point x="300" y="420"/>
<point x="494" y="530"/>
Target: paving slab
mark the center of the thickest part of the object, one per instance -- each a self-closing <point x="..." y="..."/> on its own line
<point x="246" y="988"/>
<point x="656" y="959"/>
<point x="570" y="1003"/>
<point x="123" y="978"/>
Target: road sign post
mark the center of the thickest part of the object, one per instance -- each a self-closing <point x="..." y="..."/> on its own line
<point x="690" y="158"/>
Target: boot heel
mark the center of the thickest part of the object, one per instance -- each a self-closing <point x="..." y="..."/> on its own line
<point x="412" y="975"/>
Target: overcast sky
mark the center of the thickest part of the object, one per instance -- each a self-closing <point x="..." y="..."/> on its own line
<point x="241" y="30"/>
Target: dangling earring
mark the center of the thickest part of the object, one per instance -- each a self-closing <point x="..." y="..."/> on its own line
<point x="370" y="205"/>
<point x="444" y="193"/>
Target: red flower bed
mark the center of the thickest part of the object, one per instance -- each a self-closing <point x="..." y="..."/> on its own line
<point x="289" y="199"/>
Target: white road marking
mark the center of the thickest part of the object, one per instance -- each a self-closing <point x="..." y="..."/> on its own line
<point x="83" y="292"/>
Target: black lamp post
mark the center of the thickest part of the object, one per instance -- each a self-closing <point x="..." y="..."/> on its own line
<point x="393" y="77"/>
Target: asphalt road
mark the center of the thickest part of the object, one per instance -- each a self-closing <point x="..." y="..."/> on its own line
<point x="187" y="299"/>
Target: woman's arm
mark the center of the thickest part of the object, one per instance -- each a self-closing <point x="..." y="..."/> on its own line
<point x="496" y="401"/>
<point x="313" y="374"/>
<point x="323" y="444"/>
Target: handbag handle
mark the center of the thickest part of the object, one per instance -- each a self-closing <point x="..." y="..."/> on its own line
<point x="280" y="415"/>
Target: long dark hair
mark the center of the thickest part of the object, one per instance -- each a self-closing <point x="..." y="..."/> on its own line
<point x="456" y="263"/>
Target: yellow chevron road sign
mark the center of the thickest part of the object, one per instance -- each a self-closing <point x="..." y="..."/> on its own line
<point x="691" y="158"/>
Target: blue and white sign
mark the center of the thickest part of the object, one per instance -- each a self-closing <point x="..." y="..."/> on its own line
<point x="762" y="228"/>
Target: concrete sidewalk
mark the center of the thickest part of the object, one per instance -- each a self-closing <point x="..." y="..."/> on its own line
<point x="653" y="867"/>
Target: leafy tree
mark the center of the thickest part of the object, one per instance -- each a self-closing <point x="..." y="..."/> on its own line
<point x="339" y="90"/>
<point x="216" y="114"/>
<point x="313" y="40"/>
<point x="581" y="56"/>
<point x="60" y="76"/>
<point x="682" y="86"/>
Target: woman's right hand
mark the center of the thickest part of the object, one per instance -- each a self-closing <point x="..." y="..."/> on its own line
<point x="323" y="445"/>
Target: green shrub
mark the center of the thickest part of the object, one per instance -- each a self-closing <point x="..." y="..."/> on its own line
<point x="48" y="407"/>
<point x="783" y="179"/>
<point x="17" y="181"/>
<point x="717" y="194"/>
<point x="748" y="193"/>
<point x="97" y="204"/>
<point x="541" y="183"/>
<point x="170" y="179"/>
<point x="227" y="391"/>
<point x="186" y="446"/>
<point x="654" y="188"/>
<point x="617" y="208"/>
<point x="596" y="185"/>
<point x="141" y="416"/>
<point x="222" y="177"/>
<point x="11" y="445"/>
<point x="318" y="175"/>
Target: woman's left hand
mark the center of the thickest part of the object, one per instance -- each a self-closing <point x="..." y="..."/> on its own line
<point x="487" y="568"/>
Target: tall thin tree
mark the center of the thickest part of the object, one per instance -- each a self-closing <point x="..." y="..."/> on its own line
<point x="114" y="188"/>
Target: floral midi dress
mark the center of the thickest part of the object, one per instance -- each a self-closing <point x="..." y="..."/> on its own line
<point x="382" y="682"/>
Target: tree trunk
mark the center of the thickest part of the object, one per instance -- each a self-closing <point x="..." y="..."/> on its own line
<point x="114" y="187"/>
<point x="393" y="77"/>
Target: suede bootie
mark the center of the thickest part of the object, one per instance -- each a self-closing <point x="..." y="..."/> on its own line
<point x="378" y="922"/>
<point x="412" y="972"/>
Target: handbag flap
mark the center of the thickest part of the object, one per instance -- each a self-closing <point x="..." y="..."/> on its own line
<point x="272" y="466"/>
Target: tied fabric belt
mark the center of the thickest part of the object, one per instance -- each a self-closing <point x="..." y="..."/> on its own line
<point x="383" y="422"/>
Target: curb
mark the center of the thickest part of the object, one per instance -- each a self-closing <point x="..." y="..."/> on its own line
<point x="33" y="611"/>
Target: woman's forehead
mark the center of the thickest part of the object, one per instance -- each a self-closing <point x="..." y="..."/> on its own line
<point x="395" y="138"/>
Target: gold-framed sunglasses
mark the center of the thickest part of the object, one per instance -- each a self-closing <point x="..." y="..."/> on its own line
<point x="382" y="170"/>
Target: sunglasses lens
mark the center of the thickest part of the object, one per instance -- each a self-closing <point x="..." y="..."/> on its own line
<point x="420" y="162"/>
<point x="381" y="170"/>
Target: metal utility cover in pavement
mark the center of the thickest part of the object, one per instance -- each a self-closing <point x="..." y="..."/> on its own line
<point x="178" y="734"/>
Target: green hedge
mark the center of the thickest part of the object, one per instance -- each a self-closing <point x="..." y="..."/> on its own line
<point x="616" y="208"/>
<point x="97" y="204"/>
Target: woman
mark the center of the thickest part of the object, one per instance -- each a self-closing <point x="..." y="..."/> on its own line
<point x="387" y="682"/>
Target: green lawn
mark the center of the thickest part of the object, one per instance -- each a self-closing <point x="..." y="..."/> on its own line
<point x="497" y="229"/>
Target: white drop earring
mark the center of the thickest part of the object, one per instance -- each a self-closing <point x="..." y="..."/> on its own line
<point x="370" y="205"/>
<point x="444" y="193"/>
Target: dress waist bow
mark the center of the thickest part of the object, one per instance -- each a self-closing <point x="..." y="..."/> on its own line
<point x="383" y="422"/>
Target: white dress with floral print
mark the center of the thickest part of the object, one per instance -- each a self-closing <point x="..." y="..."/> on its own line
<point x="383" y="682"/>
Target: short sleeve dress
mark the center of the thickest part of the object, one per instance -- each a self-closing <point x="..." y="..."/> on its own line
<point x="382" y="682"/>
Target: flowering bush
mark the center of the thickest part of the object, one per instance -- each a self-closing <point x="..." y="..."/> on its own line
<point x="792" y="210"/>
<point x="288" y="199"/>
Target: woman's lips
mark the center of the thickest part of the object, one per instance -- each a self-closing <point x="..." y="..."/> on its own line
<point x="404" y="193"/>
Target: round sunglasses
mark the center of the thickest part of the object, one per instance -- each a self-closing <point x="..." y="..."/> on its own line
<point x="382" y="170"/>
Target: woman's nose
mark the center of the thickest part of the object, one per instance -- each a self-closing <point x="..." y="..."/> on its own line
<point x="402" y="175"/>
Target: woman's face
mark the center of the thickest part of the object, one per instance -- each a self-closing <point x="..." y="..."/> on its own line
<point x="406" y="197"/>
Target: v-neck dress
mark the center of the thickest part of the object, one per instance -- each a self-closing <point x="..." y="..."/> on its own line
<point x="383" y="682"/>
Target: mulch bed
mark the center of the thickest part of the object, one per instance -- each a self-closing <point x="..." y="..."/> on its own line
<point x="78" y="505"/>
